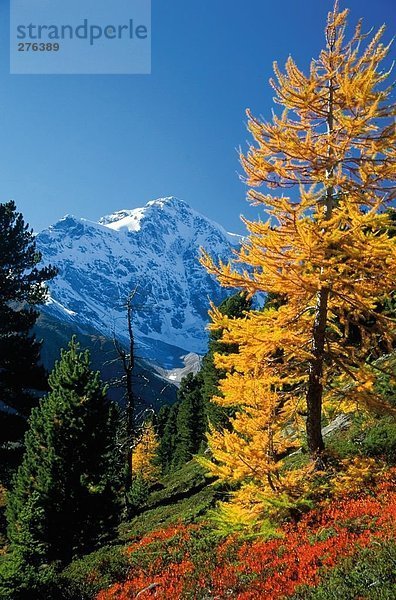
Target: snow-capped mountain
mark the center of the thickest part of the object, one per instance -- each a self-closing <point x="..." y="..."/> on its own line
<point x="154" y="249"/>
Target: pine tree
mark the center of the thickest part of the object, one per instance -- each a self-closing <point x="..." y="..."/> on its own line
<point x="65" y="494"/>
<point x="191" y="422"/>
<point x="167" y="430"/>
<point x="22" y="286"/>
<point x="326" y="251"/>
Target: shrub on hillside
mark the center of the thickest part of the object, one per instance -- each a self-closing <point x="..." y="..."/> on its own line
<point x="369" y="575"/>
<point x="380" y="440"/>
<point x="20" y="581"/>
<point x="85" y="577"/>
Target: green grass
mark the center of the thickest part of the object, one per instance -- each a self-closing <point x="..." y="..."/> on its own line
<point x="183" y="497"/>
<point x="3" y="523"/>
<point x="187" y="480"/>
<point x="188" y="510"/>
<point x="376" y="438"/>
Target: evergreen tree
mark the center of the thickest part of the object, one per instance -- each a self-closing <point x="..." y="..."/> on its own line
<point x="22" y="286"/>
<point x="161" y="419"/>
<point x="191" y="422"/>
<point x="65" y="495"/>
<point x="167" y="429"/>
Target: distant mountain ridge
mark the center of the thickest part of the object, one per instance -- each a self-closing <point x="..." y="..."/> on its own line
<point x="154" y="249"/>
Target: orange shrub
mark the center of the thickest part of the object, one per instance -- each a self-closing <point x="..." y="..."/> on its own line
<point x="181" y="566"/>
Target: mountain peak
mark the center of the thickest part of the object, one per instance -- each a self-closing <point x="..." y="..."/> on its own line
<point x="169" y="214"/>
<point x="154" y="249"/>
<point x="168" y="201"/>
<point x="130" y="219"/>
<point x="125" y="219"/>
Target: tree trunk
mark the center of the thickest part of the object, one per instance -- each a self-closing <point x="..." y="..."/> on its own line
<point x="130" y="396"/>
<point x="128" y="365"/>
<point x="315" y="382"/>
<point x="315" y="385"/>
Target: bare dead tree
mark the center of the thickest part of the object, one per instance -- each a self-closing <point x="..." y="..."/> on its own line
<point x="135" y="421"/>
<point x="128" y="364"/>
<point x="127" y="358"/>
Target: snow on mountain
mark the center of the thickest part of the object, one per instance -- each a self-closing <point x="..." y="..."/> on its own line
<point x="154" y="249"/>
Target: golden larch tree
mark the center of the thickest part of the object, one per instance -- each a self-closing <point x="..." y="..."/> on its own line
<point x="325" y="251"/>
<point x="144" y="455"/>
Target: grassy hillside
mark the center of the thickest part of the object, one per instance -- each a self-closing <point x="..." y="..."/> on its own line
<point x="343" y="547"/>
<point x="350" y="538"/>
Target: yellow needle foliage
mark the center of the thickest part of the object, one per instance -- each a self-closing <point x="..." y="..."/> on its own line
<point x="325" y="251"/>
<point x="144" y="455"/>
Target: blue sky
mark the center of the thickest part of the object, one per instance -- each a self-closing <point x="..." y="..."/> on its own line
<point x="90" y="145"/>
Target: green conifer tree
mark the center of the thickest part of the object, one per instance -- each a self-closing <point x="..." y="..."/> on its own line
<point x="167" y="419"/>
<point x="65" y="495"/>
<point x="22" y="286"/>
<point x="191" y="422"/>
